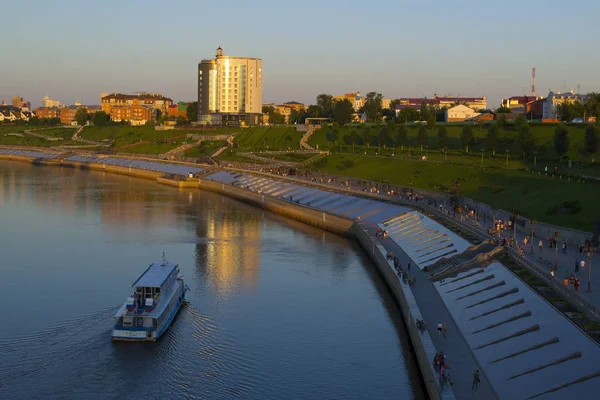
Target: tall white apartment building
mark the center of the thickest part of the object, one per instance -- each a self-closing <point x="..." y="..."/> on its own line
<point x="229" y="90"/>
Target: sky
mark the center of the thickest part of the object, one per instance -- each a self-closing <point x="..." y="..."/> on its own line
<point x="74" y="50"/>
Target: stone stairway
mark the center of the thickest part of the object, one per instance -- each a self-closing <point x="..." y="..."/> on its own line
<point x="304" y="141"/>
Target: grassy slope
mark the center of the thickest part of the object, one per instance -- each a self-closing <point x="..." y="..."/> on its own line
<point x="527" y="193"/>
<point x="544" y="135"/>
<point x="206" y="148"/>
<point x="273" y="138"/>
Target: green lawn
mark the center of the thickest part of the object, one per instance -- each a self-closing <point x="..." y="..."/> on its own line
<point x="543" y="134"/>
<point x="11" y="129"/>
<point x="294" y="157"/>
<point x="124" y="135"/>
<point x="231" y="155"/>
<point x="529" y="194"/>
<point x="271" y="138"/>
<point x="28" y="140"/>
<point x="205" y="148"/>
<point x="150" y="148"/>
<point x="65" y="133"/>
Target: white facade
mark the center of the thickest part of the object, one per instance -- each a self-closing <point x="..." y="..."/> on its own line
<point x="554" y="99"/>
<point x="460" y="113"/>
<point x="48" y="102"/>
<point x="230" y="85"/>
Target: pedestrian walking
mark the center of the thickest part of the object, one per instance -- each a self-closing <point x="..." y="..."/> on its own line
<point x="541" y="245"/>
<point x="576" y="265"/>
<point x="582" y="264"/>
<point x="475" y="380"/>
<point x="445" y="329"/>
<point x="440" y="326"/>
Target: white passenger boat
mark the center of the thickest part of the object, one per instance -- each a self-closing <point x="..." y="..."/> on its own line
<point x="158" y="295"/>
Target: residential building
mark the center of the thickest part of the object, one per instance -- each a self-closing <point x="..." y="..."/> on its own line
<point x="67" y="114"/>
<point x="385" y="103"/>
<point x="460" y="113"/>
<point x="518" y="101"/>
<point x="476" y="103"/>
<point x="294" y="105"/>
<point x="535" y="109"/>
<point x="19" y="102"/>
<point x="172" y="111"/>
<point x="135" y="114"/>
<point x="47" y="102"/>
<point x="155" y="101"/>
<point x="355" y="98"/>
<point x="229" y="90"/>
<point x="47" y="112"/>
<point x="483" y="117"/>
<point x="554" y="99"/>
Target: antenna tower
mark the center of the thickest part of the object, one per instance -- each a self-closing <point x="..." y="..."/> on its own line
<point x="533" y="81"/>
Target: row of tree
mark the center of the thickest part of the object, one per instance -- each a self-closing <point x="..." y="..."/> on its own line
<point x="394" y="135"/>
<point x="567" y="111"/>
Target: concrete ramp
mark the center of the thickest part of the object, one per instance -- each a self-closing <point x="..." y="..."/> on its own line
<point x="527" y="349"/>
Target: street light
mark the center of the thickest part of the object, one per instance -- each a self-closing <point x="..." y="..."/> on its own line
<point x="482" y="150"/>
<point x="590" y="254"/>
<point x="507" y="151"/>
<point x="534" y="159"/>
<point x="556" y="236"/>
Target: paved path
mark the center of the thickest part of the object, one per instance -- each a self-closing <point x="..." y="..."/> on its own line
<point x="458" y="354"/>
<point x="222" y="149"/>
<point x="304" y="140"/>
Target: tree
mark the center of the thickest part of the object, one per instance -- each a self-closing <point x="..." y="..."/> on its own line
<point x="503" y="110"/>
<point x="442" y="137"/>
<point x="401" y="136"/>
<point x="431" y="121"/>
<point x="191" y="111"/>
<point x="492" y="138"/>
<point x="466" y="137"/>
<point x="561" y="140"/>
<point x="342" y="111"/>
<point x="385" y="138"/>
<point x="407" y="115"/>
<point x="424" y="112"/>
<point x="81" y="116"/>
<point x="355" y="138"/>
<point x="393" y="105"/>
<point x="590" y="142"/>
<point x="313" y="111"/>
<point x="35" y="121"/>
<point x="325" y="104"/>
<point x="180" y="121"/>
<point x="520" y="122"/>
<point x="525" y="140"/>
<point x="100" y="118"/>
<point x="373" y="107"/>
<point x="592" y="106"/>
<point x="422" y="137"/>
<point x="501" y="122"/>
<point x="366" y="134"/>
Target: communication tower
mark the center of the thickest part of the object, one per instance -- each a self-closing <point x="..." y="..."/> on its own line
<point x="533" y="81"/>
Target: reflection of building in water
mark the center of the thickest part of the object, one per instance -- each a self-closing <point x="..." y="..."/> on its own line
<point x="233" y="245"/>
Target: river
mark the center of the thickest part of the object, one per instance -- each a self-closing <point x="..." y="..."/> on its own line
<point x="277" y="309"/>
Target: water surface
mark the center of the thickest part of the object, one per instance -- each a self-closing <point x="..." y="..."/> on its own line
<point x="277" y="309"/>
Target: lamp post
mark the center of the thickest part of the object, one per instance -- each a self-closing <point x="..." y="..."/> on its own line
<point x="507" y="151"/>
<point x="590" y="254"/>
<point x="532" y="222"/>
<point x="534" y="159"/>
<point x="556" y="236"/>
<point x="482" y="156"/>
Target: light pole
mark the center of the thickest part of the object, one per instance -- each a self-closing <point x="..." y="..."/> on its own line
<point x="534" y="159"/>
<point x="532" y="222"/>
<point x="507" y="151"/>
<point x="590" y="254"/>
<point x="481" y="156"/>
<point x="556" y="236"/>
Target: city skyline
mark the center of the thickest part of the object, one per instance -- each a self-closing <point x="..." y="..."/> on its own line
<point x="317" y="48"/>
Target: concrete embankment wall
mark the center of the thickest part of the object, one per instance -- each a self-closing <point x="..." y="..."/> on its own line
<point x="421" y="340"/>
<point x="310" y="216"/>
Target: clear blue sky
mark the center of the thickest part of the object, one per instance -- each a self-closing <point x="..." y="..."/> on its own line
<point x="74" y="50"/>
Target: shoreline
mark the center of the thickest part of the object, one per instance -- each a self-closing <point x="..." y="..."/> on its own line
<point x="421" y="344"/>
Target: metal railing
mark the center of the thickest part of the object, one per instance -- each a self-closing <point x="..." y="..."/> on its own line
<point x="571" y="295"/>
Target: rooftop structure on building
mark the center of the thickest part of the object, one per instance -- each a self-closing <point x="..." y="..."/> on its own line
<point x="229" y="90"/>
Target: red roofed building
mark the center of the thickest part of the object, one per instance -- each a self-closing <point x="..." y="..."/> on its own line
<point x="476" y="103"/>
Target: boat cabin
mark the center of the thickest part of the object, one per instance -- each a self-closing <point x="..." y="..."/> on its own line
<point x="157" y="280"/>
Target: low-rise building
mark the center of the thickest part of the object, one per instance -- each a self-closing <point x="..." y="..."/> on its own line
<point x="134" y="114"/>
<point x="354" y="98"/>
<point x="294" y="105"/>
<point x="153" y="100"/>
<point x="67" y="114"/>
<point x="554" y="99"/>
<point x="460" y="113"/>
<point x="476" y="103"/>
<point x="47" y="112"/>
<point x="47" y="102"/>
<point x="518" y="102"/>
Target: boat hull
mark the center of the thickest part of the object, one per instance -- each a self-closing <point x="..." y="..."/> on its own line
<point x="129" y="335"/>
